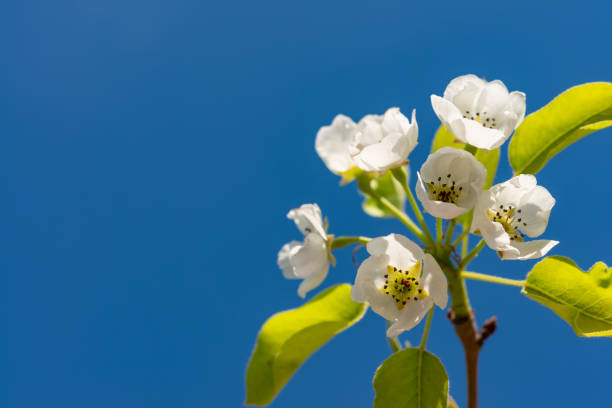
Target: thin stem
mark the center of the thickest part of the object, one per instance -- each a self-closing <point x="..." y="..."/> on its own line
<point x="393" y="341"/>
<point x="439" y="230"/>
<point x="400" y="175"/>
<point x="471" y="149"/>
<point x="466" y="259"/>
<point x="449" y="232"/>
<point x="426" y="330"/>
<point x="465" y="246"/>
<point x="492" y="279"/>
<point x="400" y="215"/>
<point x="464" y="234"/>
<point x="341" y="242"/>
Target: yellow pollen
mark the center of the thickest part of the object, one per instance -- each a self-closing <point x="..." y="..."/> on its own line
<point x="404" y="286"/>
<point x="506" y="217"/>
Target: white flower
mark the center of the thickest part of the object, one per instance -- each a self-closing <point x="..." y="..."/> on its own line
<point x="478" y="112"/>
<point x="308" y="260"/>
<point x="332" y="144"/>
<point x="508" y="212"/>
<point x="384" y="142"/>
<point x="400" y="282"/>
<point x="449" y="182"/>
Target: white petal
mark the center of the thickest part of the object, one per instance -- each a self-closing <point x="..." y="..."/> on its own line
<point x="492" y="99"/>
<point x="332" y="144"/>
<point x="482" y="137"/>
<point x="308" y="219"/>
<point x="368" y="283"/>
<point x="437" y="285"/>
<point x="383" y="155"/>
<point x="307" y="260"/>
<point x="311" y="257"/>
<point x="382" y="144"/>
<point x="465" y="170"/>
<point x="450" y="116"/>
<point x="511" y="192"/>
<point x="410" y="316"/>
<point x="284" y="258"/>
<point x="369" y="131"/>
<point x="402" y="252"/>
<point x="516" y="105"/>
<point x="313" y="281"/>
<point x="492" y="232"/>
<point x="530" y="249"/>
<point x="436" y="208"/>
<point x="535" y="210"/>
<point x="464" y="89"/>
<point x="394" y="121"/>
<point x="439" y="209"/>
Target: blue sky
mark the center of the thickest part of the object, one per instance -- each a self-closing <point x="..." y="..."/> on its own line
<point x="150" y="152"/>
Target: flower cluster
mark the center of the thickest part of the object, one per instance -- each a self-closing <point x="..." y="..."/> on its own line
<point x="401" y="280"/>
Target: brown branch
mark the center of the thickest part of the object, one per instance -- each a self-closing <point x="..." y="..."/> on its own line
<point x="472" y="341"/>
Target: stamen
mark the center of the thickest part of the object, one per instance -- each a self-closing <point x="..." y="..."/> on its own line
<point x="506" y="219"/>
<point x="401" y="289"/>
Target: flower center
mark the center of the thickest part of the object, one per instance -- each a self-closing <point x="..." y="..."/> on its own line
<point x="444" y="189"/>
<point x="509" y="220"/>
<point x="485" y="120"/>
<point x="404" y="286"/>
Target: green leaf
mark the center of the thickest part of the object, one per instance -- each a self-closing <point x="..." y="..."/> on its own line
<point x="386" y="186"/>
<point x="411" y="378"/>
<point x="584" y="300"/>
<point x="569" y="117"/>
<point x="288" y="338"/>
<point x="488" y="158"/>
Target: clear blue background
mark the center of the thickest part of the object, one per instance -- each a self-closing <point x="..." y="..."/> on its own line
<point x="149" y="152"/>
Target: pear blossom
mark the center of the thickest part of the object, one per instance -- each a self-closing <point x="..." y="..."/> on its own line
<point x="332" y="144"/>
<point x="449" y="182"/>
<point x="400" y="282"/>
<point x="307" y="260"/>
<point x="508" y="212"/>
<point x="384" y="142"/>
<point x="480" y="113"/>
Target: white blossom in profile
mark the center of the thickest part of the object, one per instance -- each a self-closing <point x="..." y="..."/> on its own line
<point x="400" y="282"/>
<point x="449" y="182"/>
<point x="508" y="212"/>
<point x="332" y="145"/>
<point x="309" y="259"/>
<point x="480" y="113"/>
<point x="384" y="142"/>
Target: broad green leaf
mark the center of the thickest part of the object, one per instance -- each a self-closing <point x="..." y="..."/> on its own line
<point x="584" y="300"/>
<point x="569" y="117"/>
<point x="288" y="338"/>
<point x="489" y="158"/>
<point x="411" y="378"/>
<point x="386" y="186"/>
